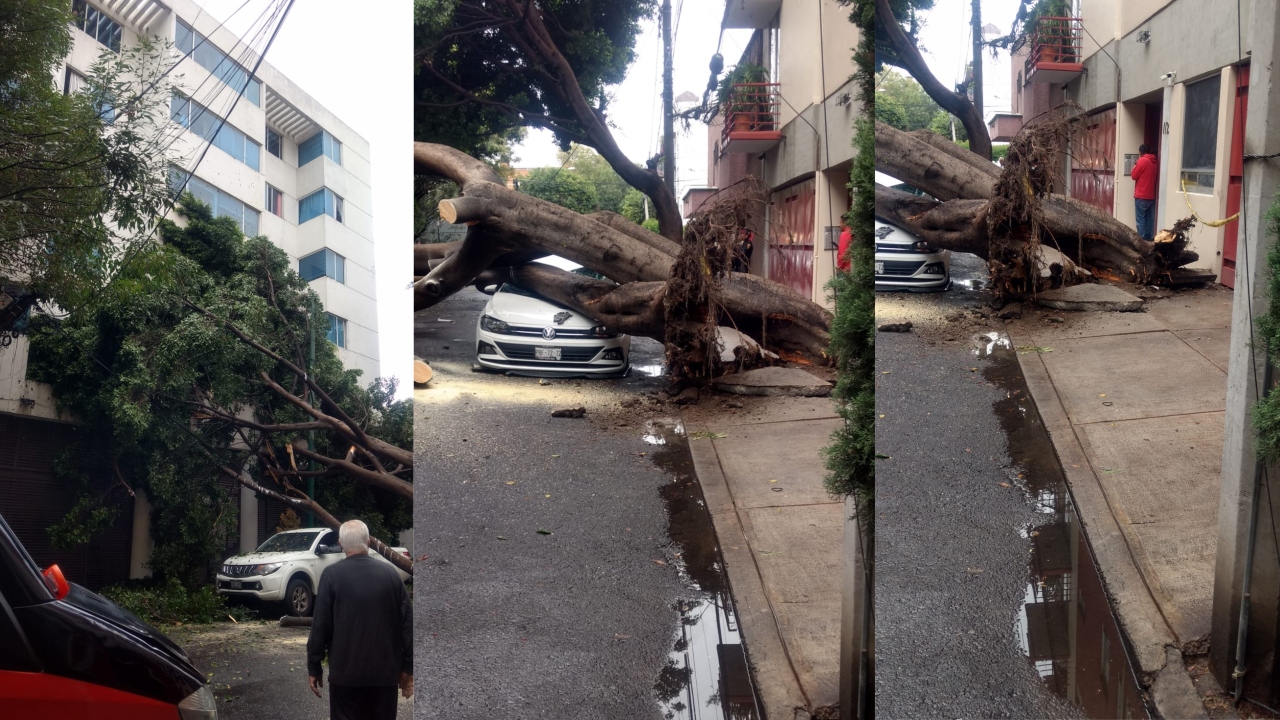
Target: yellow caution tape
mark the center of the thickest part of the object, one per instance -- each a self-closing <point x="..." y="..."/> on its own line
<point x="1202" y="221"/>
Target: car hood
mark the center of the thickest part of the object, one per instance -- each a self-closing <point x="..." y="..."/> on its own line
<point x="104" y="609"/>
<point x="893" y="235"/>
<point x="258" y="558"/>
<point x="521" y="310"/>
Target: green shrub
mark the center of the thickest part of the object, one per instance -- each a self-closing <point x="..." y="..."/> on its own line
<point x="172" y="604"/>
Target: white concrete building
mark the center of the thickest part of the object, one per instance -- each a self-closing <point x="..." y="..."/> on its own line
<point x="282" y="165"/>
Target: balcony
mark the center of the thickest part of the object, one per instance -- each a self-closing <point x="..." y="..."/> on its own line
<point x="751" y="119"/>
<point x="1055" y="51"/>
<point x="750" y="14"/>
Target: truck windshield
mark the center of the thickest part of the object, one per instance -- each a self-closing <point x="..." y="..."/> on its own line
<point x="289" y="542"/>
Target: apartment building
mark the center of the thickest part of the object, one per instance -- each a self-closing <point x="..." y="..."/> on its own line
<point x="282" y="166"/>
<point x="1170" y="74"/>
<point x="797" y="140"/>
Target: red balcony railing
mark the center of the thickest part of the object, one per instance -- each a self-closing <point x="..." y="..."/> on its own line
<point x="751" y="118"/>
<point x="1056" y="50"/>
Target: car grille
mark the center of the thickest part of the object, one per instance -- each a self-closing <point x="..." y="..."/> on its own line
<point x="897" y="249"/>
<point x="901" y="268"/>
<point x="237" y="570"/>
<point x="567" y="353"/>
<point x="528" y="331"/>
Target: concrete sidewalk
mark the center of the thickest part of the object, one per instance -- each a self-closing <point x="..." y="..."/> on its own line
<point x="781" y="535"/>
<point x="1134" y="405"/>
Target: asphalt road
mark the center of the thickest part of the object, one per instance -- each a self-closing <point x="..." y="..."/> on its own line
<point x="951" y="557"/>
<point x="512" y="623"/>
<point x="258" y="670"/>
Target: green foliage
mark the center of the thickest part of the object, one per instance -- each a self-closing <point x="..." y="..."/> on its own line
<point x="902" y="103"/>
<point x="998" y="152"/>
<point x="74" y="178"/>
<point x="1266" y="412"/>
<point x="611" y="190"/>
<point x="633" y="207"/>
<point x="851" y="456"/>
<point x="741" y="73"/>
<point x="651" y="224"/>
<point x="133" y="366"/>
<point x="562" y="187"/>
<point x="941" y="123"/>
<point x="169" y="603"/>
<point x="470" y="44"/>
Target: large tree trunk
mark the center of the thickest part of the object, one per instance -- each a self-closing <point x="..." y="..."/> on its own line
<point x="907" y="56"/>
<point x="504" y="225"/>
<point x="963" y="185"/>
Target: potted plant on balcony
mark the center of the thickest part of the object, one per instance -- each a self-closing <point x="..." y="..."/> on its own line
<point x="1045" y="27"/>
<point x="742" y="109"/>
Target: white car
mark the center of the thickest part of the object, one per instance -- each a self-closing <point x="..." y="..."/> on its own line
<point x="520" y="332"/>
<point x="287" y="567"/>
<point x="906" y="262"/>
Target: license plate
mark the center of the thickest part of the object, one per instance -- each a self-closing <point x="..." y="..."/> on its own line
<point x="237" y="584"/>
<point x="879" y="267"/>
<point x="540" y="353"/>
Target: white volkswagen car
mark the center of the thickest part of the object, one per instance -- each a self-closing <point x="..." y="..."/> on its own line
<point x="522" y="333"/>
<point x="906" y="262"/>
<point x="287" y="567"/>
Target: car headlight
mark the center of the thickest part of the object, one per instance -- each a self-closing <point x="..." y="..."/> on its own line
<point x="601" y="331"/>
<point x="199" y="705"/>
<point x="267" y="568"/>
<point x="923" y="246"/>
<point x="488" y="323"/>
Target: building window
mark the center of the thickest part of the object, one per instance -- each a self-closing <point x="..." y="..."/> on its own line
<point x="337" y="330"/>
<point x="325" y="263"/>
<point x="201" y="121"/>
<point x="220" y="203"/>
<point x="75" y="82"/>
<point x="96" y="24"/>
<point x="1200" y="135"/>
<point x="322" y="143"/>
<point x="321" y="202"/>
<point x="275" y="144"/>
<point x="209" y="57"/>
<point x="275" y="201"/>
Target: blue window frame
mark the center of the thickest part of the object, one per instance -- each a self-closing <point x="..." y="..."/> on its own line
<point x="221" y="203"/>
<point x="209" y="57"/>
<point x="337" y="330"/>
<point x="325" y="263"/>
<point x="322" y="143"/>
<point x="201" y="121"/>
<point x="96" y="24"/>
<point x="321" y="202"/>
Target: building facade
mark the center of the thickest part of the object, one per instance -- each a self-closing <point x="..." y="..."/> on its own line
<point x="799" y="142"/>
<point x="1170" y="74"/>
<point x="282" y="166"/>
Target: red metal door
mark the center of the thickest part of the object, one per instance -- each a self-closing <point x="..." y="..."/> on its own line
<point x="1230" y="237"/>
<point x="791" y="238"/>
<point x="1093" y="163"/>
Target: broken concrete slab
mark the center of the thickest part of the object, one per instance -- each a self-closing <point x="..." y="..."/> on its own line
<point x="1174" y="693"/>
<point x="1090" y="298"/>
<point x="774" y="382"/>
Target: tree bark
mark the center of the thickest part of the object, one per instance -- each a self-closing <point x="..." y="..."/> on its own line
<point x="908" y="57"/>
<point x="956" y="220"/>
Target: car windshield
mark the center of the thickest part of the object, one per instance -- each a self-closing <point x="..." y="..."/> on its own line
<point x="517" y="290"/>
<point x="288" y="542"/>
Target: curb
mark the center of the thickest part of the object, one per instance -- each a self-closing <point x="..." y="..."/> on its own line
<point x="775" y="678"/>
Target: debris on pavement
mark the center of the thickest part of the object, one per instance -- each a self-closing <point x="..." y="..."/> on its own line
<point x="573" y="412"/>
<point x="895" y="327"/>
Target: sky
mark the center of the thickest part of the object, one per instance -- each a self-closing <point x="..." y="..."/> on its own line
<point x="947" y="51"/>
<point x="354" y="59"/>
<point x="635" y="111"/>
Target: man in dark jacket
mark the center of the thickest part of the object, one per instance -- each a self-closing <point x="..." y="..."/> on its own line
<point x="364" y="623"/>
<point x="1145" y="172"/>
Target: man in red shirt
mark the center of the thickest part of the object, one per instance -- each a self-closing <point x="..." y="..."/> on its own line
<point x="843" y="261"/>
<point x="1144" y="175"/>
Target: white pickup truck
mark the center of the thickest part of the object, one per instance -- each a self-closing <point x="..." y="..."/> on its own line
<point x="287" y="567"/>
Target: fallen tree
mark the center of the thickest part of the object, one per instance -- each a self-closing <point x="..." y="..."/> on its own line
<point x="966" y="190"/>
<point x="506" y="229"/>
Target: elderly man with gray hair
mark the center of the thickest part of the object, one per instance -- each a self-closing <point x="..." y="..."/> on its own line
<point x="364" y="624"/>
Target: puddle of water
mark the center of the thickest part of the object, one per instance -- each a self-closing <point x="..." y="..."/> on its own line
<point x="1065" y="624"/>
<point x="989" y="343"/>
<point x="652" y="370"/>
<point x="970" y="284"/>
<point x="663" y="431"/>
<point x="706" y="674"/>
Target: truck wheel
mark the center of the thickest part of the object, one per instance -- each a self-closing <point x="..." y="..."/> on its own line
<point x="298" y="599"/>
